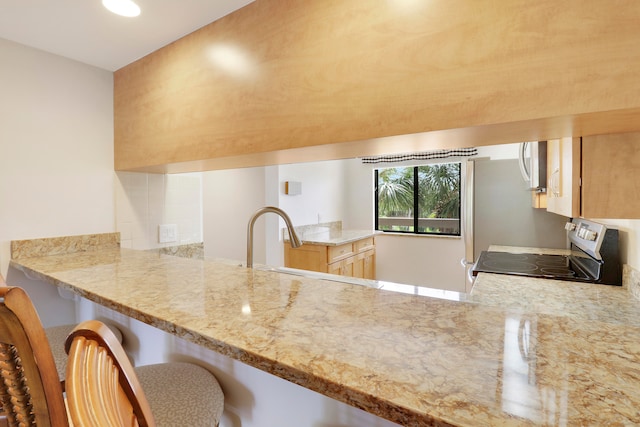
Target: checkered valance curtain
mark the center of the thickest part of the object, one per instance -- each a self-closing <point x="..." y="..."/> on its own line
<point x="427" y="155"/>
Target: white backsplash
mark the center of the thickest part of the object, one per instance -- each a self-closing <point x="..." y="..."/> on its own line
<point x="144" y="201"/>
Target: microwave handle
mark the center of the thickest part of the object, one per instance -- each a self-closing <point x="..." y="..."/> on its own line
<point x="526" y="174"/>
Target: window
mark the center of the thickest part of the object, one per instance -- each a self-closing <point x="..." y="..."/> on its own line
<point x="419" y="200"/>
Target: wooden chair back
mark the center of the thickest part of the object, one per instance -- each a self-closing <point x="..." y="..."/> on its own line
<point x="101" y="384"/>
<point x="30" y="390"/>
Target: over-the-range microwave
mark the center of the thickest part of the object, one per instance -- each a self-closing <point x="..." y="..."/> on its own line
<point x="533" y="164"/>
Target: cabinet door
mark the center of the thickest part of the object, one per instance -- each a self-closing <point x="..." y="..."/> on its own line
<point x="611" y="176"/>
<point x="358" y="266"/>
<point x="563" y="176"/>
<point x="306" y="257"/>
<point x="370" y="264"/>
<point x="347" y="266"/>
<point x="334" y="268"/>
<point x="343" y="267"/>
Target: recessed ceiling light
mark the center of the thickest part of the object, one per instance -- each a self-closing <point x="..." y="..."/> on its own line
<point x="122" y="7"/>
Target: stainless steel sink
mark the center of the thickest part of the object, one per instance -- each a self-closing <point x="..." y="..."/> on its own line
<point x="323" y="276"/>
<point x="375" y="284"/>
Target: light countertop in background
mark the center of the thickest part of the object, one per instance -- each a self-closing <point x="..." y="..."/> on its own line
<point x="328" y="234"/>
<point x="333" y="237"/>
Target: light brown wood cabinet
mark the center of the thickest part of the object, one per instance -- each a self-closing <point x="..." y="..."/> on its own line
<point x="182" y="108"/>
<point x="595" y="177"/>
<point x="355" y="259"/>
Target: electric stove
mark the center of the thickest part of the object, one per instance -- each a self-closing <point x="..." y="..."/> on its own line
<point x="594" y="258"/>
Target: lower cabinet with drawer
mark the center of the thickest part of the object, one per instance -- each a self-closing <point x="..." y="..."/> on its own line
<point x="355" y="259"/>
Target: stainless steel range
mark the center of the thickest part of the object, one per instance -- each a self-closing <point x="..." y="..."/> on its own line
<point x="594" y="258"/>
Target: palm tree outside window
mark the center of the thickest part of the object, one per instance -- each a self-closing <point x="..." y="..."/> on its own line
<point x="419" y="199"/>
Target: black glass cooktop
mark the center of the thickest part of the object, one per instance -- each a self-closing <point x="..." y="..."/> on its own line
<point x="533" y="265"/>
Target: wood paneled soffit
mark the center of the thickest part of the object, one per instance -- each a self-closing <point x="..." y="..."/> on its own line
<point x="266" y="83"/>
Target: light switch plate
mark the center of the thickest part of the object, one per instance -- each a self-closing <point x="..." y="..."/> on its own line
<point x="292" y="188"/>
<point x="167" y="233"/>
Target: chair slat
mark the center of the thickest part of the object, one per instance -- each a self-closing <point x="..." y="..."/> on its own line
<point x="102" y="387"/>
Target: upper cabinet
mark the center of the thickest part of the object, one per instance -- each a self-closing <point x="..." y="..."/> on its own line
<point x="596" y="177"/>
<point x="611" y="176"/>
<point x="285" y="81"/>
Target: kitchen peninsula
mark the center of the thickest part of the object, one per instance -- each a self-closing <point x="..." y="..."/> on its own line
<point x="328" y="248"/>
<point x="507" y="354"/>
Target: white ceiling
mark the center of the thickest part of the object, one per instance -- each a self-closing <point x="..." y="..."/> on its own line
<point x="87" y="32"/>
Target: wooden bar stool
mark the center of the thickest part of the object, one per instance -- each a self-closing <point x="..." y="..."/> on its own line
<point x="103" y="388"/>
<point x="30" y="390"/>
<point x="177" y="393"/>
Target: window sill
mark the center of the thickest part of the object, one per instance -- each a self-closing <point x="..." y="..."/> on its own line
<point x="421" y="236"/>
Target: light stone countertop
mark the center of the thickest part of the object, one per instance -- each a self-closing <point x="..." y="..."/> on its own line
<point x="328" y="234"/>
<point x="515" y="352"/>
<point x="332" y="237"/>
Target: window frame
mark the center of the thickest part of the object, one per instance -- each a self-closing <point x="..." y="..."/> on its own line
<point x="416" y="198"/>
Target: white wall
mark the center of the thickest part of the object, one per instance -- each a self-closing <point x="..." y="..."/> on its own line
<point x="273" y="247"/>
<point x="497" y="152"/>
<point x="359" y="196"/>
<point x="56" y="147"/>
<point x="323" y="189"/>
<point x="230" y="197"/>
<point x="433" y="262"/>
<point x="629" y="230"/>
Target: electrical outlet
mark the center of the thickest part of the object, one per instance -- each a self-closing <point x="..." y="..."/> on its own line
<point x="167" y="233"/>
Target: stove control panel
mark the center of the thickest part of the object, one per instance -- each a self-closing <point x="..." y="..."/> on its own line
<point x="587" y="235"/>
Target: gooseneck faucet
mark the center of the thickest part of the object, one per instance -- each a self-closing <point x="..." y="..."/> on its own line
<point x="295" y="241"/>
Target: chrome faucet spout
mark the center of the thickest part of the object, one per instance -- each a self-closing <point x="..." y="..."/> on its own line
<point x="295" y="241"/>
